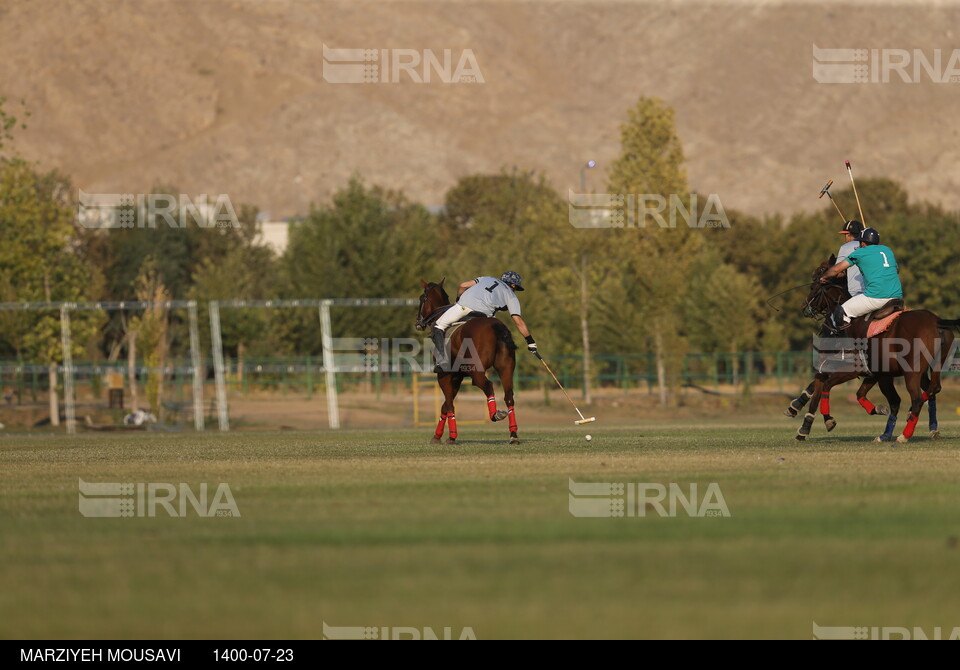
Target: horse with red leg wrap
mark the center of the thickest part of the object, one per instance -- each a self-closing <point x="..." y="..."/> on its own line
<point x="480" y="344"/>
<point x="916" y="347"/>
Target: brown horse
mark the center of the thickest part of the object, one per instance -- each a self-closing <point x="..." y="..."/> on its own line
<point x="916" y="347"/>
<point x="480" y="344"/>
<point x="798" y="403"/>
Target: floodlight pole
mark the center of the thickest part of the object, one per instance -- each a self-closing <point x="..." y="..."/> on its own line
<point x="329" y="367"/>
<point x="223" y="416"/>
<point x="195" y="362"/>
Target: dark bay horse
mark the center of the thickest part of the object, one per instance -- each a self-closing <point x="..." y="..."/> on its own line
<point x="813" y="307"/>
<point x="480" y="344"/>
<point x="916" y="347"/>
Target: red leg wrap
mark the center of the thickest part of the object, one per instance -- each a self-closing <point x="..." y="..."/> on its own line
<point x="911" y="426"/>
<point x="443" y="422"/>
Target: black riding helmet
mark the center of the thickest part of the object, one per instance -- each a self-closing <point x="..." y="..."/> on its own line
<point x="853" y="227"/>
<point x="869" y="236"/>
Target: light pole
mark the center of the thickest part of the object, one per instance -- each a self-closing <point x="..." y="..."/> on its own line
<point x="585" y="296"/>
<point x="583" y="174"/>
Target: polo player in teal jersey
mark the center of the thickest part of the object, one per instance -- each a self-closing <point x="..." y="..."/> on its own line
<point x="881" y="278"/>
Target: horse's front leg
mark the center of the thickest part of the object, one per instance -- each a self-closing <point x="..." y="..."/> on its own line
<point x="797" y="403"/>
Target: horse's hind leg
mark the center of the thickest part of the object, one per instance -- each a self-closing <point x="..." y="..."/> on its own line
<point x="930" y="395"/>
<point x="945" y="343"/>
<point x="889" y="390"/>
<point x="917" y="398"/>
<point x="482" y="382"/>
<point x="505" y="365"/>
<point x="865" y="403"/>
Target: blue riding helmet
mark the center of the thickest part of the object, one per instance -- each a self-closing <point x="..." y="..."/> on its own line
<point x="511" y="277"/>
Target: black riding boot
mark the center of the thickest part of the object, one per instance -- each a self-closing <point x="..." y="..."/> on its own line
<point x="837" y="321"/>
<point x="440" y="351"/>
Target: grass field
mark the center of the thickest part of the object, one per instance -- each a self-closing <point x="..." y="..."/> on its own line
<point x="381" y="528"/>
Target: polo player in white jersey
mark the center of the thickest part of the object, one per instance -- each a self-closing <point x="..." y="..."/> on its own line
<point x="487" y="296"/>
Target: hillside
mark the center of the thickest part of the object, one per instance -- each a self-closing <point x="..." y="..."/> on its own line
<point x="228" y="96"/>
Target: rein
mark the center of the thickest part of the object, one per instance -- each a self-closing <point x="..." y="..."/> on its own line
<point x="818" y="294"/>
<point x="423" y="322"/>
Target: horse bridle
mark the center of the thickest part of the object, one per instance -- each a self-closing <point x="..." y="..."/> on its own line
<point x="424" y="321"/>
<point x="819" y="292"/>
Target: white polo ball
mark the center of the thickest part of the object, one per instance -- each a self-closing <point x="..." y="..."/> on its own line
<point x="587" y="437"/>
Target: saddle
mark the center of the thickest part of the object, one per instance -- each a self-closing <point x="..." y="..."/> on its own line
<point x="880" y="321"/>
<point x="895" y="305"/>
<point x="457" y="325"/>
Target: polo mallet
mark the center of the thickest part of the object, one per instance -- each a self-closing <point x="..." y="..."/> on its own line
<point x="582" y="420"/>
<point x="825" y="191"/>
<point x="850" y="172"/>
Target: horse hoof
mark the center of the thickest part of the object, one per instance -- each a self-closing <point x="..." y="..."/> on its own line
<point x="801" y="438"/>
<point x="435" y="440"/>
<point x="884" y="438"/>
<point x="514" y="440"/>
<point x="830" y="424"/>
<point x="902" y="439"/>
<point x="882" y="410"/>
<point x="499" y="415"/>
<point x="790" y="413"/>
<point x="451" y="440"/>
<point x="934" y="434"/>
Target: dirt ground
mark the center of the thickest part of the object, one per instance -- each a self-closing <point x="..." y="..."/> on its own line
<point x="272" y="410"/>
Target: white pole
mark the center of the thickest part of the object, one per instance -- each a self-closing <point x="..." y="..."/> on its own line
<point x="66" y="342"/>
<point x="329" y="368"/>
<point x="195" y="362"/>
<point x="223" y="416"/>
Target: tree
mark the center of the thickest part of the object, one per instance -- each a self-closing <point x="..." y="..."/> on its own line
<point x="39" y="263"/>
<point x="656" y="260"/>
<point x="8" y="122"/>
<point x="369" y="243"/>
<point x="514" y="220"/>
<point x="148" y="332"/>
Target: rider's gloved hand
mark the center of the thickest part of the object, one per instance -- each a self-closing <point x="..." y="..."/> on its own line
<point x="531" y="344"/>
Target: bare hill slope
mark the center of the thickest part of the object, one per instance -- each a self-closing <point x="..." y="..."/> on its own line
<point x="228" y="96"/>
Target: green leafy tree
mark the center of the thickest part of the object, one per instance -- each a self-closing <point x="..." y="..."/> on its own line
<point x="656" y="261"/>
<point x="39" y="262"/>
<point x="9" y="122"/>
<point x="368" y="243"/>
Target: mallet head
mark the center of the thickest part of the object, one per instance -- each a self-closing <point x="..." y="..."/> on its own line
<point x="592" y="418"/>
<point x="826" y="189"/>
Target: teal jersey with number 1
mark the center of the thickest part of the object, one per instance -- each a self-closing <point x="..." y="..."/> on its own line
<point x="879" y="269"/>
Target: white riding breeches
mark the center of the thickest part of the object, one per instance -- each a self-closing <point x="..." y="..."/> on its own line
<point x="451" y="316"/>
<point x="859" y="305"/>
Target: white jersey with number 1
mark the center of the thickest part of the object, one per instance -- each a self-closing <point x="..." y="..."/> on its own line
<point x="490" y="295"/>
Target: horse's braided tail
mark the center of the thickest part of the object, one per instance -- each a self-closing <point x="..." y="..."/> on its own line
<point x="503" y="334"/>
